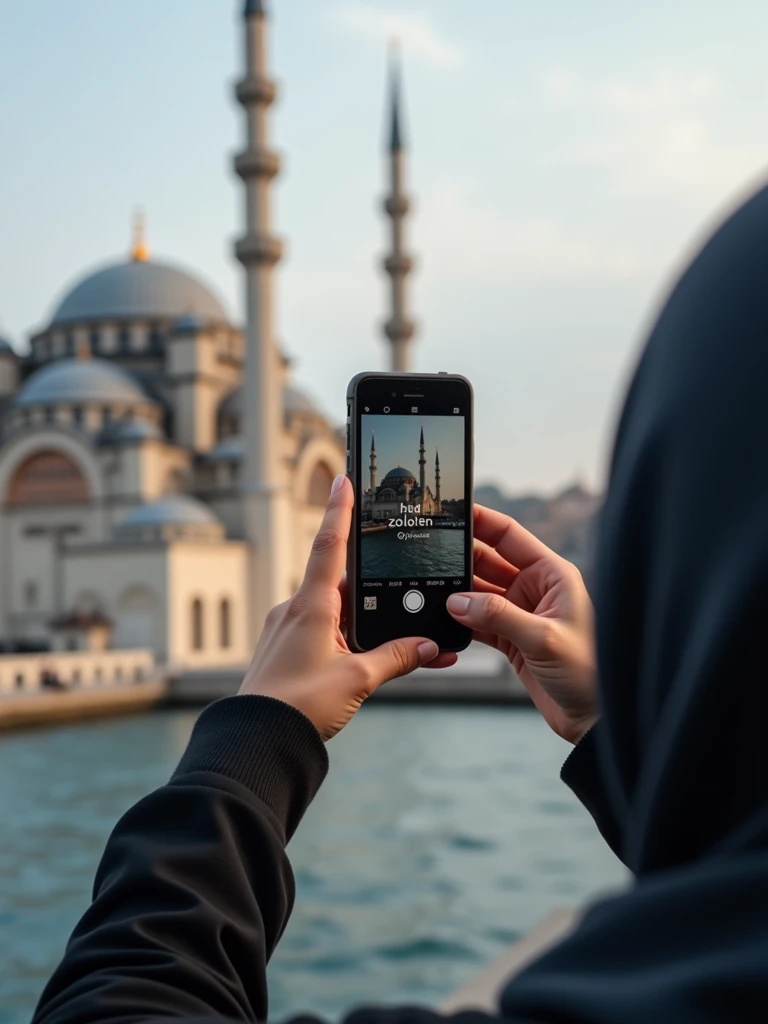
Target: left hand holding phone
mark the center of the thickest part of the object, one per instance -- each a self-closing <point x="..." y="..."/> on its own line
<point x="302" y="656"/>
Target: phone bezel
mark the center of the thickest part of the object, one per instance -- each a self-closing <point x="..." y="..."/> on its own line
<point x="463" y="635"/>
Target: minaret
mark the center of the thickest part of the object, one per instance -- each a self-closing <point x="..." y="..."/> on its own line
<point x="437" y="481"/>
<point x="373" y="467"/>
<point x="265" y="498"/>
<point x="422" y="468"/>
<point x="399" y="329"/>
<point x="139" y="248"/>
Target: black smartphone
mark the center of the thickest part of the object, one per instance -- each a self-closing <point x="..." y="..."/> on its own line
<point x="409" y="456"/>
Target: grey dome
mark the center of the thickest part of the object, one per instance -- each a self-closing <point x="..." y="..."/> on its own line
<point x="174" y="510"/>
<point x="294" y="402"/>
<point x="80" y="381"/>
<point x="229" y="450"/>
<point x="124" y="431"/>
<point x="138" y="289"/>
<point x="187" y="324"/>
<point x="399" y="473"/>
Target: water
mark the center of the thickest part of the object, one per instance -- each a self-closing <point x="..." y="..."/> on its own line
<point x="428" y="553"/>
<point x="440" y="836"/>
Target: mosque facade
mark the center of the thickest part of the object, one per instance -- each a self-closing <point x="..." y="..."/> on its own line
<point x="161" y="476"/>
<point x="400" y="487"/>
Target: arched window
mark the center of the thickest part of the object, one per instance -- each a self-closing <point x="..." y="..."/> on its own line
<point x="47" y="478"/>
<point x="319" y="485"/>
<point x="225" y="623"/>
<point x="197" y="624"/>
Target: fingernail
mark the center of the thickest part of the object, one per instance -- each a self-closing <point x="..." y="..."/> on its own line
<point x="337" y="484"/>
<point x="458" y="604"/>
<point x="428" y="651"/>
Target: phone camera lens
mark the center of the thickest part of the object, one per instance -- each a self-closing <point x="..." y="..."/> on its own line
<point x="394" y="394"/>
<point x="386" y="408"/>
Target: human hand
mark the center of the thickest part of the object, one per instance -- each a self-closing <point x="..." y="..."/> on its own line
<point x="532" y="605"/>
<point x="302" y="656"/>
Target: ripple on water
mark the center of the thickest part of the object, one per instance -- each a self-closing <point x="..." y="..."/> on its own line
<point x="556" y="807"/>
<point x="427" y="948"/>
<point x="510" y="883"/>
<point x="473" y="843"/>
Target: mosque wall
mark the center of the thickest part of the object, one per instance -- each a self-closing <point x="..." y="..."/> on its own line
<point x="126" y="582"/>
<point x="213" y="576"/>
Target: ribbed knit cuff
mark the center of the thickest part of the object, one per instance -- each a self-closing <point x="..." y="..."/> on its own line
<point x="264" y="744"/>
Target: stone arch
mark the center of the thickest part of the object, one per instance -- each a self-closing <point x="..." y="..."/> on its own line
<point x="137" y="619"/>
<point x="320" y="451"/>
<point x="319" y="486"/>
<point x="47" y="477"/>
<point x="61" y="441"/>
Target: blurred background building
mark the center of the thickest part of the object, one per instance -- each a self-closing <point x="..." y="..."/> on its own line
<point x="161" y="477"/>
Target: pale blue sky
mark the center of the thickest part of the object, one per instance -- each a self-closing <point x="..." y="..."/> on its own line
<point x="397" y="443"/>
<point x="564" y="158"/>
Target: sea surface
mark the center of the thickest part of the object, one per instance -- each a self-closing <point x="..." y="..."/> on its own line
<point x="440" y="836"/>
<point x="390" y="554"/>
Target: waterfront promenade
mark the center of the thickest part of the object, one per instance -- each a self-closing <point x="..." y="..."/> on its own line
<point x="96" y="684"/>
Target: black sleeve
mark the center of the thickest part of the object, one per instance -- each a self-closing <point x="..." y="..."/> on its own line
<point x="194" y="888"/>
<point x="581" y="773"/>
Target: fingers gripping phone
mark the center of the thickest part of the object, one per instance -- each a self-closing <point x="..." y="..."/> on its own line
<point x="409" y="456"/>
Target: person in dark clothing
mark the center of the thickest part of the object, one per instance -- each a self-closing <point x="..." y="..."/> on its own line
<point x="195" y="889"/>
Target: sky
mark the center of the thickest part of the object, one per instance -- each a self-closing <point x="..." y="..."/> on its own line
<point x="565" y="161"/>
<point x="397" y="443"/>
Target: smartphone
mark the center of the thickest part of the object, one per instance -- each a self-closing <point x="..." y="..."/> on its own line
<point x="409" y="456"/>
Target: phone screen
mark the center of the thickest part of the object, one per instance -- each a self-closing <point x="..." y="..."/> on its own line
<point x="413" y="510"/>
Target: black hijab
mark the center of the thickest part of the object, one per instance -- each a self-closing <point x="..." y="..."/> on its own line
<point x="682" y="624"/>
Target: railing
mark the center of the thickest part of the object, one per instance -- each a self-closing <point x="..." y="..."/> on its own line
<point x="24" y="673"/>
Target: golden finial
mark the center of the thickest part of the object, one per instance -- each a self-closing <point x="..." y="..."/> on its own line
<point x="140" y="250"/>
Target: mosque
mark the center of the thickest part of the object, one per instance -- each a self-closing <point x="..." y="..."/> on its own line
<point x="161" y="477"/>
<point x="400" y="487"/>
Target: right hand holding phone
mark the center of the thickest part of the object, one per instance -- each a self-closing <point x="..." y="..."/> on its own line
<point x="532" y="605"/>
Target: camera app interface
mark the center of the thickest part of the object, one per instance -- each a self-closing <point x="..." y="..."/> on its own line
<point x="412" y="507"/>
<point x="412" y="521"/>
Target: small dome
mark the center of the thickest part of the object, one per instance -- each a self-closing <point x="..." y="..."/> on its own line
<point x="79" y="382"/>
<point x="229" y="450"/>
<point x="139" y="289"/>
<point x="399" y="473"/>
<point x="127" y="431"/>
<point x="294" y="402"/>
<point x="173" y="515"/>
<point x="187" y="324"/>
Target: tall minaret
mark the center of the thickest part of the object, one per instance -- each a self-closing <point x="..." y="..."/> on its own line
<point x="437" y="481"/>
<point x="422" y="468"/>
<point x="267" y="522"/>
<point x="399" y="328"/>
<point x="373" y="467"/>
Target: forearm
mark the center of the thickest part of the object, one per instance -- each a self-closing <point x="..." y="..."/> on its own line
<point x="194" y="888"/>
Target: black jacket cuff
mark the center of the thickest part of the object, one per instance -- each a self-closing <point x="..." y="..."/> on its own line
<point x="582" y="774"/>
<point x="264" y="744"/>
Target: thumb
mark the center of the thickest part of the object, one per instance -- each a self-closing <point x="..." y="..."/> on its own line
<point x="396" y="658"/>
<point x="492" y="613"/>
